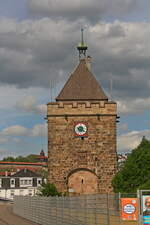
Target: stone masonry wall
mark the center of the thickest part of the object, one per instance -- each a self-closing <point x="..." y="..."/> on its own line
<point x="97" y="152"/>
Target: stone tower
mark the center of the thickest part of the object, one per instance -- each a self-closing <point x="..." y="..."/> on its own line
<point x="82" y="135"/>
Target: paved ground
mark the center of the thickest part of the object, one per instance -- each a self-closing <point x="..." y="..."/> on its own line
<point x="8" y="218"/>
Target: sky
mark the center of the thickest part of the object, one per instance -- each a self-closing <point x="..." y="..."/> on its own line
<point x="38" y="40"/>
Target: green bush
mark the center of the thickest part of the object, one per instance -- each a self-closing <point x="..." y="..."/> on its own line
<point x="48" y="190"/>
<point x="136" y="171"/>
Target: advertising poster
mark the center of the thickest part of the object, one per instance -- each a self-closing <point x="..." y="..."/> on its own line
<point x="146" y="209"/>
<point x="129" y="209"/>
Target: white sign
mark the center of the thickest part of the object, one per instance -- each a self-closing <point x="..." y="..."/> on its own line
<point x="71" y="190"/>
<point x="129" y="209"/>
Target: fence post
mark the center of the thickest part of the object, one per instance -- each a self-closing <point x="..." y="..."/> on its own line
<point x="120" y="209"/>
<point x="85" y="209"/>
<point x="139" y="207"/>
<point x="56" y="210"/>
<point x="107" y="208"/>
<point x="95" y="216"/>
<point x="62" y="209"/>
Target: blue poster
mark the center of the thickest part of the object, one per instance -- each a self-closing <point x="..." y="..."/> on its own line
<point x="146" y="220"/>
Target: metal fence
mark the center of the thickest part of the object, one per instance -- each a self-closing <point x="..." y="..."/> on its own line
<point x="100" y="209"/>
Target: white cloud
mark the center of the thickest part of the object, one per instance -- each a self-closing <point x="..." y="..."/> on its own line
<point x="39" y="130"/>
<point x="129" y="141"/>
<point x="33" y="54"/>
<point x="29" y="104"/>
<point x="12" y="96"/>
<point x="131" y="106"/>
<point x="17" y="130"/>
<point x="86" y="8"/>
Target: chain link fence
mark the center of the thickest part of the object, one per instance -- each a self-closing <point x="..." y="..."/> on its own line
<point x="99" y="209"/>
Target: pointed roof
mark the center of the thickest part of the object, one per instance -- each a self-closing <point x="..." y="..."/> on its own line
<point x="26" y="173"/>
<point x="81" y="85"/>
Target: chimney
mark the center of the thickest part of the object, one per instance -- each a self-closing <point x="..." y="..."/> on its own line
<point x="89" y="62"/>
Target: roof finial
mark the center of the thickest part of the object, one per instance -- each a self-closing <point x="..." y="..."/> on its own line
<point x="82" y="39"/>
<point x="82" y="47"/>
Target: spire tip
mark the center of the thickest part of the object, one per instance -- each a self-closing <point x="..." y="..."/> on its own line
<point x="82" y="47"/>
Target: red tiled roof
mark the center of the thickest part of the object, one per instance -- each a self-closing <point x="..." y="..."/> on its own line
<point x="31" y="168"/>
<point x="42" y="157"/>
<point x="3" y="173"/>
<point x="23" y="163"/>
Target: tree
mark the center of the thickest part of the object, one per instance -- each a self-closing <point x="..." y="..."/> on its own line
<point x="145" y="186"/>
<point x="136" y="171"/>
<point x="28" y="158"/>
<point x="48" y="190"/>
<point x="43" y="172"/>
<point x="9" y="159"/>
<point x="20" y="159"/>
<point x="32" y="158"/>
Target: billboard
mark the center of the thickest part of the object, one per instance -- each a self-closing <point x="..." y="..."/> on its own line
<point x="129" y="209"/>
<point x="146" y="209"/>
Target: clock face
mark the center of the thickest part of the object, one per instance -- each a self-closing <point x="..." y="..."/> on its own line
<point x="80" y="129"/>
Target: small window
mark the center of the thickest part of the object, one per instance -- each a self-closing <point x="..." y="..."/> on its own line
<point x="25" y="182"/>
<point x="30" y="181"/>
<point x="12" y="182"/>
<point x="21" y="182"/>
<point x="39" y="182"/>
<point x="12" y="192"/>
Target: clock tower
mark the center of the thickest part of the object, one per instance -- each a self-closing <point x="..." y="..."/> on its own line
<point x="82" y="134"/>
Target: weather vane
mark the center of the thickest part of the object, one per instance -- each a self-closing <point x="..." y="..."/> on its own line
<point x="82" y="47"/>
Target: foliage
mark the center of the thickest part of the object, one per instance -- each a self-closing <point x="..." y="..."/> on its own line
<point x="29" y="158"/>
<point x="43" y="173"/>
<point x="8" y="169"/>
<point x="136" y="171"/>
<point x="8" y="159"/>
<point x="145" y="186"/>
<point x="48" y="190"/>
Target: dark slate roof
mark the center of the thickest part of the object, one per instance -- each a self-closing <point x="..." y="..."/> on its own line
<point x="25" y="173"/>
<point x="81" y="85"/>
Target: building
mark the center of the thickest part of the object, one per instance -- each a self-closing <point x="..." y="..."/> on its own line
<point x="40" y="158"/>
<point x="121" y="160"/>
<point x="12" y="167"/>
<point x="82" y="155"/>
<point x="38" y="163"/>
<point x="24" y="182"/>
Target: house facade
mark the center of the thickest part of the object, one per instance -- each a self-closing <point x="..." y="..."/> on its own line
<point x="24" y="182"/>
